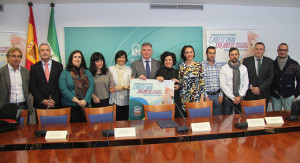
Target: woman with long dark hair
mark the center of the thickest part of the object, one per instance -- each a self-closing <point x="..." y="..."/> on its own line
<point x="191" y="77"/>
<point x="104" y="82"/>
<point x="76" y="84"/>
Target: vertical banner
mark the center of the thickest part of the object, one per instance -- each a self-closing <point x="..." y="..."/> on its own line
<point x="52" y="37"/>
<point x="223" y="40"/>
<point x="148" y="92"/>
<point x="32" y="55"/>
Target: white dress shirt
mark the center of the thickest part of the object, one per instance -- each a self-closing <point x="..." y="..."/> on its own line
<point x="146" y="63"/>
<point x="226" y="81"/>
<point x="16" y="85"/>
<point x="256" y="64"/>
<point x="49" y="65"/>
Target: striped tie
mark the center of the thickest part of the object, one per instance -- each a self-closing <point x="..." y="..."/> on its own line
<point x="47" y="73"/>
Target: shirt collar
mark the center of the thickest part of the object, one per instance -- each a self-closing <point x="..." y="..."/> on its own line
<point x="209" y="64"/>
<point x="11" y="68"/>
<point x="146" y="60"/>
<point x="49" y="62"/>
<point x="255" y="59"/>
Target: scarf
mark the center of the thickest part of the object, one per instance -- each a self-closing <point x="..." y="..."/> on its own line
<point x="236" y="77"/>
<point x="120" y="72"/>
<point x="81" y="82"/>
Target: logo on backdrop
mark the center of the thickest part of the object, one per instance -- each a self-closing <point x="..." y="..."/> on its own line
<point x="136" y="50"/>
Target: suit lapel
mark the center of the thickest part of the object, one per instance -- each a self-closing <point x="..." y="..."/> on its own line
<point x="7" y="77"/>
<point x="41" y="71"/>
<point x="51" y="71"/>
<point x="143" y="67"/>
<point x="263" y="65"/>
<point x="254" y="69"/>
<point x="22" y="76"/>
<point x="152" y="67"/>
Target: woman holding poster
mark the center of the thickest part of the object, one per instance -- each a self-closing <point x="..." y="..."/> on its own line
<point x="191" y="77"/>
<point x="167" y="72"/>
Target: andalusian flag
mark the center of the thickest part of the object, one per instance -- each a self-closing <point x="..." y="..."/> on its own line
<point x="32" y="55"/>
<point x="52" y="37"/>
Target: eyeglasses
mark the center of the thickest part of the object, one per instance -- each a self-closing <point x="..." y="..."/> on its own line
<point x="283" y="50"/>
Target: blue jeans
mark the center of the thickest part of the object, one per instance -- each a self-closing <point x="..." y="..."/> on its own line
<point x="286" y="103"/>
<point x="217" y="108"/>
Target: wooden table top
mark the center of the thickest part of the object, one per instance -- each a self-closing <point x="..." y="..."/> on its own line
<point x="90" y="132"/>
<point x="283" y="147"/>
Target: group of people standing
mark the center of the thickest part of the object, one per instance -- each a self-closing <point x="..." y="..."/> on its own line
<point x="78" y="87"/>
<point x="257" y="77"/>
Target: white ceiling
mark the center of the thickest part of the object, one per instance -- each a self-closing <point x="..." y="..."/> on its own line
<point x="270" y="3"/>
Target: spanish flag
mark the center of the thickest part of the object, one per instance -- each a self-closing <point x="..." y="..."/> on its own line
<point x="32" y="55"/>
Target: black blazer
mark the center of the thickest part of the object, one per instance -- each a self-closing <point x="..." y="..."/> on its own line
<point x="39" y="87"/>
<point x="263" y="80"/>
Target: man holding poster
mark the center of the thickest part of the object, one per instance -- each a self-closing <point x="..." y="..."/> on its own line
<point x="146" y="67"/>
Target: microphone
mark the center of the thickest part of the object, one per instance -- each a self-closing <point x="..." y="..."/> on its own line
<point x="241" y="125"/>
<point x="111" y="131"/>
<point x="44" y="131"/>
<point x="181" y="129"/>
<point x="295" y="110"/>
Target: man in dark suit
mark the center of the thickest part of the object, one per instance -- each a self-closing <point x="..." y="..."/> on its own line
<point x="44" y="77"/>
<point x="146" y="67"/>
<point x="260" y="73"/>
<point x="14" y="81"/>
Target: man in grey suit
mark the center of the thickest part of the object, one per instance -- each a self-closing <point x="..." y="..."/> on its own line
<point x="146" y="67"/>
<point x="260" y="73"/>
<point x="14" y="83"/>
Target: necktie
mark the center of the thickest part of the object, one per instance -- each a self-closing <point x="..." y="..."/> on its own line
<point x="259" y="65"/>
<point x="147" y="69"/>
<point x="47" y="73"/>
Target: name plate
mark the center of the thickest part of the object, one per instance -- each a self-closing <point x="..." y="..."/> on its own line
<point x="257" y="122"/>
<point x="125" y="132"/>
<point x="203" y="126"/>
<point x="274" y="120"/>
<point x="56" y="135"/>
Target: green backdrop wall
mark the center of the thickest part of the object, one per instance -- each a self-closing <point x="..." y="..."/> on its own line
<point x="109" y="40"/>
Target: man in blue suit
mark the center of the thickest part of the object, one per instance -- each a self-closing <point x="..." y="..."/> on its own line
<point x="146" y="67"/>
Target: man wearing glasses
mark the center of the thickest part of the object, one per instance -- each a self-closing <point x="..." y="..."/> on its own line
<point x="287" y="71"/>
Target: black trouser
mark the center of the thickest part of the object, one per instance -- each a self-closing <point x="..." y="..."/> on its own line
<point x="20" y="107"/>
<point x="77" y="114"/>
<point x="103" y="103"/>
<point x="229" y="106"/>
<point x="122" y="113"/>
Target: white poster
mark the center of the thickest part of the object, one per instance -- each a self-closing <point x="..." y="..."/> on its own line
<point x="223" y="40"/>
<point x="12" y="39"/>
<point x="148" y="92"/>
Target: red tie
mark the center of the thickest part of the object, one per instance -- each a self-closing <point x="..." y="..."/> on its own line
<point x="47" y="73"/>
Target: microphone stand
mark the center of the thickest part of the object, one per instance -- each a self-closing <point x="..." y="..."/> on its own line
<point x="291" y="117"/>
<point x="111" y="131"/>
<point x="44" y="131"/>
<point x="241" y="125"/>
<point x="181" y="129"/>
